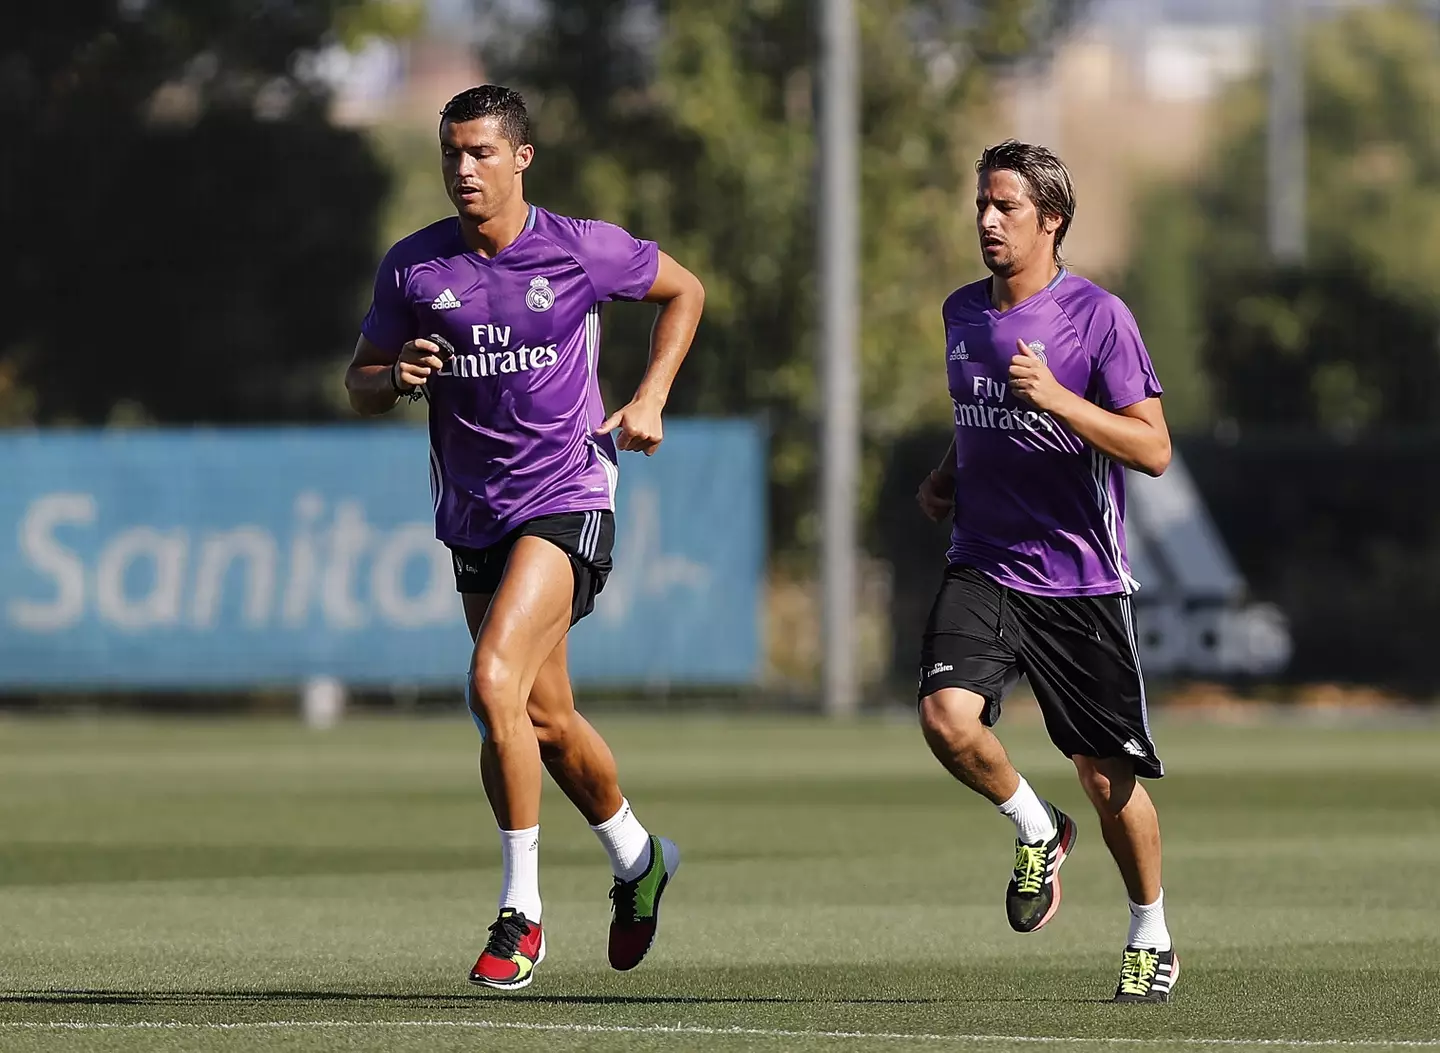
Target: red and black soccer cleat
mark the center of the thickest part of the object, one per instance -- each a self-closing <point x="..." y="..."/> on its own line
<point x="516" y="946"/>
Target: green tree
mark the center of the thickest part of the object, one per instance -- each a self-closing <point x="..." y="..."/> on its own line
<point x="694" y="125"/>
<point x="187" y="232"/>
<point x="1348" y="341"/>
<point x="1161" y="285"/>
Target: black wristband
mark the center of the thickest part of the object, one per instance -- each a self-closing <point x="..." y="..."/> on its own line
<point x="413" y="394"/>
<point x="395" y="382"/>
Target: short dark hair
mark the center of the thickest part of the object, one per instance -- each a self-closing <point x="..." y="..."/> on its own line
<point x="1044" y="175"/>
<point x="491" y="100"/>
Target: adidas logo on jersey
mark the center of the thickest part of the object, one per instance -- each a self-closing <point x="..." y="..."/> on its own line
<point x="446" y="301"/>
<point x="959" y="354"/>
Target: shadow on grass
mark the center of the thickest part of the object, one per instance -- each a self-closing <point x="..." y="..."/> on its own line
<point x="104" y="997"/>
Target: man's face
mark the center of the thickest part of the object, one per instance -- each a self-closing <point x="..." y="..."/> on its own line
<point x="1011" y="230"/>
<point x="481" y="166"/>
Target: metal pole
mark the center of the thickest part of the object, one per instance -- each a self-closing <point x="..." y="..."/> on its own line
<point x="838" y="248"/>
<point x="1285" y="141"/>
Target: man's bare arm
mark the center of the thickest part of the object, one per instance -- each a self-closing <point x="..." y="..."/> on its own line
<point x="377" y="378"/>
<point x="682" y="299"/>
<point x="368" y="380"/>
<point x="1135" y="436"/>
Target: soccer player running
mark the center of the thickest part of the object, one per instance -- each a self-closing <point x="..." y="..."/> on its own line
<point x="493" y="315"/>
<point x="1054" y="396"/>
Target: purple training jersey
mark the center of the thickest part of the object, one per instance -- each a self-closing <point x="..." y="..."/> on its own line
<point x="1036" y="508"/>
<point x="513" y="414"/>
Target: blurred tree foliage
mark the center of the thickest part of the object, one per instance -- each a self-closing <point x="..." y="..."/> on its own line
<point x="1350" y="341"/>
<point x="187" y="232"/>
<point x="692" y="122"/>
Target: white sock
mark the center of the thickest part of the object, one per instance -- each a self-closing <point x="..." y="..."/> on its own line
<point x="1033" y="822"/>
<point x="1147" y="925"/>
<point x="520" y="863"/>
<point x="626" y="842"/>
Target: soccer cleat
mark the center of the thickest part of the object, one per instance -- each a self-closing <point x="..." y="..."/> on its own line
<point x="636" y="905"/>
<point x="516" y="946"/>
<point x="1034" y="893"/>
<point x="1147" y="975"/>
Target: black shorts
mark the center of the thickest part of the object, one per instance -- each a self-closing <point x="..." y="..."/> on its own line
<point x="1078" y="652"/>
<point x="588" y="538"/>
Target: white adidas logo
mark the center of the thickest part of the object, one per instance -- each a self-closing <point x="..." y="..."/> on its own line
<point x="446" y="301"/>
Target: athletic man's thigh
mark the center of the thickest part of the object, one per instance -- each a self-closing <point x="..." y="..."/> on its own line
<point x="586" y="538"/>
<point x="551" y="693"/>
<point x="507" y="620"/>
<point x="476" y="604"/>
<point x="551" y="696"/>
<point x="588" y="541"/>
<point x="1080" y="656"/>
<point x="528" y="616"/>
<point x="967" y="643"/>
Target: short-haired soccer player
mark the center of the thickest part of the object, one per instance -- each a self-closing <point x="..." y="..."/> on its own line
<point x="493" y="314"/>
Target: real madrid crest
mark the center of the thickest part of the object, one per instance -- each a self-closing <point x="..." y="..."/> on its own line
<point x="540" y="297"/>
<point x="1038" y="348"/>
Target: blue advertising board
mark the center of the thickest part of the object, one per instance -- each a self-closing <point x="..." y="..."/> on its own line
<point x="177" y="559"/>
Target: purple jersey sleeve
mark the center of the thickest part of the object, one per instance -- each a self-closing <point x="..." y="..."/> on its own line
<point x="388" y="323"/>
<point x="1123" y="371"/>
<point x="620" y="266"/>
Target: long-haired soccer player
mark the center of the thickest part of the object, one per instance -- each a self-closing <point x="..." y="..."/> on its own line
<point x="1054" y="396"/>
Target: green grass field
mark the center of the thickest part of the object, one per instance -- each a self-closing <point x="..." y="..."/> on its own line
<point x="238" y="885"/>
